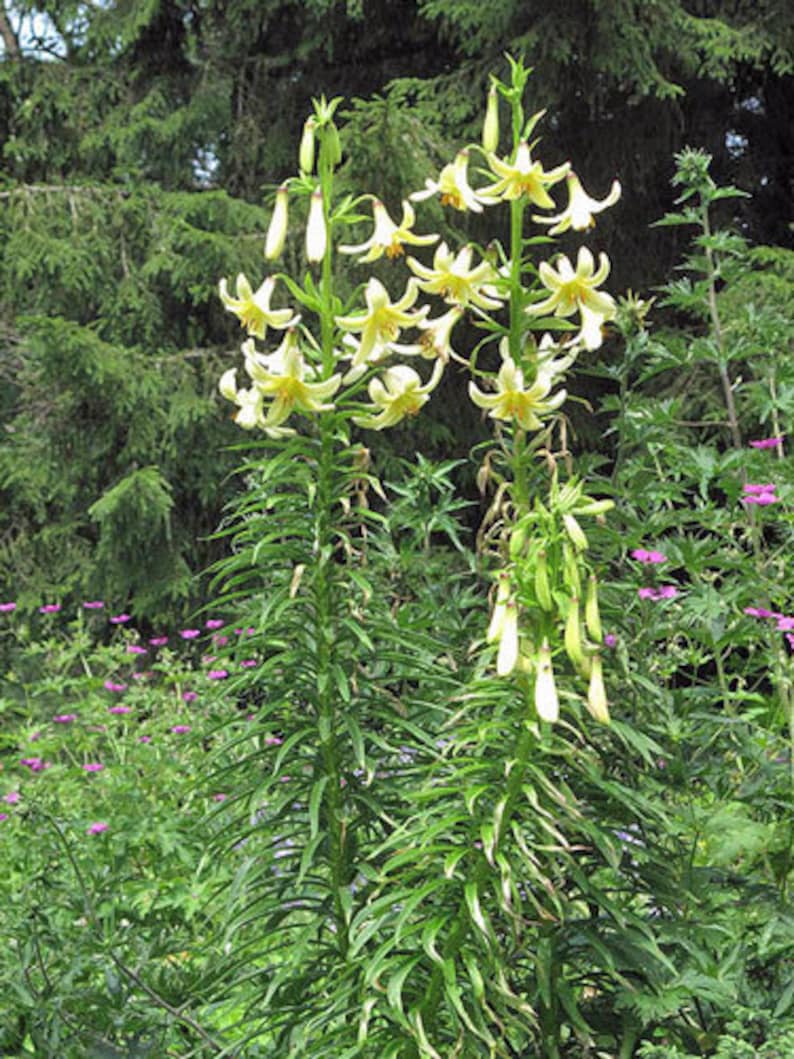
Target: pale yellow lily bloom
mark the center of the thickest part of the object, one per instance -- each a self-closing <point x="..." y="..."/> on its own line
<point x="381" y="324"/>
<point x="252" y="308"/>
<point x="512" y="401"/>
<point x="388" y="238"/>
<point x="454" y="188"/>
<point x="453" y="278"/>
<point x="580" y="209"/>
<point x="282" y="376"/>
<point x="397" y="394"/>
<point x="573" y="290"/>
<point x="436" y="338"/>
<point x="523" y="177"/>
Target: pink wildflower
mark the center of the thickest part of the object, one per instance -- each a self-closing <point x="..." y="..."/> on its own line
<point x="12" y="797"/>
<point x="135" y="649"/>
<point x="761" y="612"/>
<point x="119" y="709"/>
<point x="664" y="592"/>
<point x="180" y="728"/>
<point x="273" y="740"/>
<point x="35" y="764"/>
<point x="120" y="619"/>
<point x="142" y="674"/>
<point x="7" y="608"/>
<point x="610" y="640"/>
<point x="64" y="718"/>
<point x="97" y="828"/>
<point x="245" y="632"/>
<point x="219" y="797"/>
<point x="110" y="686"/>
<point x="189" y="696"/>
<point x="785" y="624"/>
<point x="50" y="608"/>
<point x="248" y="663"/>
<point x="34" y="736"/>
<point x="643" y="556"/>
<point x="190" y="634"/>
<point x="93" y="604"/>
<point x="158" y="641"/>
<point x="761" y="499"/>
<point x="218" y="674"/>
<point x="220" y="641"/>
<point x="3" y="816"/>
<point x="214" y="623"/>
<point x="755" y="487"/>
<point x="767" y="443"/>
<point x="145" y="739"/>
<point x="93" y="766"/>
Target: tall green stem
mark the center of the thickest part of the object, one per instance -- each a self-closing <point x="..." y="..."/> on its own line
<point x="719" y="340"/>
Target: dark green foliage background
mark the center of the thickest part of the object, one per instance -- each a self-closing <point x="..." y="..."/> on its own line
<point x="138" y="139"/>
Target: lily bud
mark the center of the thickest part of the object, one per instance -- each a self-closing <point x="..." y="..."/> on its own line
<point x="592" y="615"/>
<point x="546" y="702"/>
<point x="508" y="642"/>
<point x="575" y="532"/>
<point x="542" y="590"/>
<point x="306" y="150"/>
<point x="596" y="693"/>
<point x="490" y="129"/>
<point x="573" y="638"/>
<point x="499" y="610"/>
<point x="316" y="235"/>
<point x="277" y="231"/>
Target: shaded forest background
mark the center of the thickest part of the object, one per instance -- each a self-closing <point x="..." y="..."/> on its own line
<point x="142" y="141"/>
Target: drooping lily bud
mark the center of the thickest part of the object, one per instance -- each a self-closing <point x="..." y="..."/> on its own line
<point x="592" y="615"/>
<point x="277" y="231"/>
<point x="546" y="702"/>
<point x="508" y="641"/>
<point x="498" y="616"/>
<point x="575" y="532"/>
<point x="542" y="589"/>
<point x="490" y="129"/>
<point x="573" y="638"/>
<point x="306" y="150"/>
<point x="316" y="235"/>
<point x="596" y="693"/>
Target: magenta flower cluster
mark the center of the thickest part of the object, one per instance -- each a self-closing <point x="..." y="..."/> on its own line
<point x="760" y="494"/>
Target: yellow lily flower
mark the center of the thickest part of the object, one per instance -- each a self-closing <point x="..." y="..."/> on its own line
<point x="523" y="177"/>
<point x="580" y="209"/>
<point x="381" y="324"/>
<point x="453" y="278"/>
<point x="572" y="291"/>
<point x="454" y="188"/>
<point x="512" y="401"/>
<point x="248" y="401"/>
<point x="253" y="308"/>
<point x="388" y="237"/>
<point x="397" y="394"/>
<point x="435" y="341"/>
<point x="284" y="377"/>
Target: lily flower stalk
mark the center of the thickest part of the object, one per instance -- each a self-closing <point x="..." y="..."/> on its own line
<point x="523" y="178"/>
<point x="381" y="324"/>
<point x="453" y="278"/>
